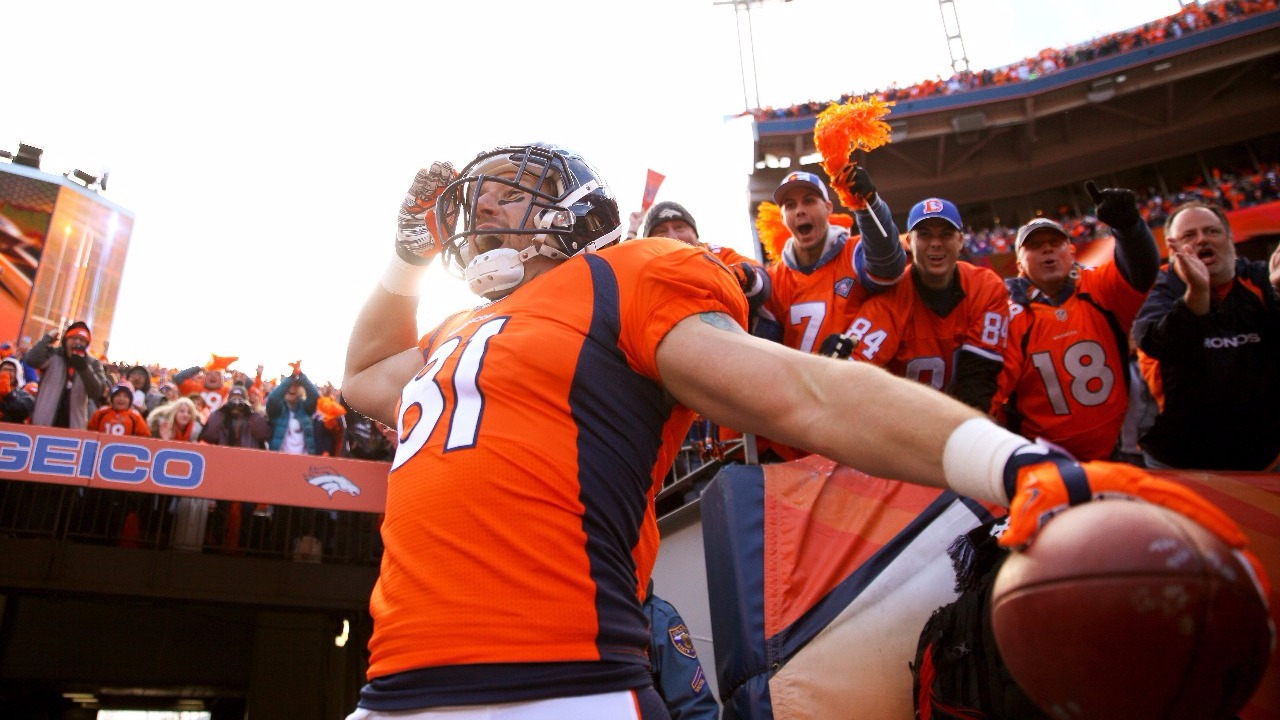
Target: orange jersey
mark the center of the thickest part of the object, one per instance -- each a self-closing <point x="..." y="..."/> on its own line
<point x="728" y="255"/>
<point x="520" y="523"/>
<point x="899" y="332"/>
<point x="811" y="307"/>
<point x="1065" y="367"/>
<point x="212" y="398"/>
<point x="108" y="420"/>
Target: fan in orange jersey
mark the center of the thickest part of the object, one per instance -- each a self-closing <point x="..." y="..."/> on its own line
<point x="209" y="381"/>
<point x="945" y="328"/>
<point x="824" y="275"/>
<point x="535" y="430"/>
<point x="1066" y="369"/>
<point x="119" y="417"/>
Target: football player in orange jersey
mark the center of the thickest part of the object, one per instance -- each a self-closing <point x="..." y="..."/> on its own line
<point x="824" y="275"/>
<point x="944" y="328"/>
<point x="1066" y="370"/>
<point x="671" y="220"/>
<point x="535" y="430"/>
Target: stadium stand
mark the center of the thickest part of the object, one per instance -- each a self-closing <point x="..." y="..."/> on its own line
<point x="1006" y="144"/>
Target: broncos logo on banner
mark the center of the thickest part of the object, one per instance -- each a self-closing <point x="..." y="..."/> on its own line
<point x="330" y="481"/>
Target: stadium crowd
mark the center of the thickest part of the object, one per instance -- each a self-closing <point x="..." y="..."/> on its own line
<point x="1228" y="190"/>
<point x="57" y="382"/>
<point x="939" y="316"/>
<point x="1123" y="375"/>
<point x="206" y="403"/>
<point x="1191" y="18"/>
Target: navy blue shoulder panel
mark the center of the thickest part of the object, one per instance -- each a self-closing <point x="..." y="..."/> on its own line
<point x="620" y="416"/>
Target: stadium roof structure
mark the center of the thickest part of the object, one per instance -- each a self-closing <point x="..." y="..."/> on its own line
<point x="1204" y="90"/>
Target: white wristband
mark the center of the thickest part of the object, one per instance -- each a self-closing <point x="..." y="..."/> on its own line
<point x="974" y="458"/>
<point x="402" y="278"/>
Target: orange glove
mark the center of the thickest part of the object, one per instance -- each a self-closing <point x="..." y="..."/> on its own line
<point x="855" y="178"/>
<point x="1055" y="483"/>
<point x="297" y="368"/>
<point x="6" y="384"/>
<point x="1052" y="485"/>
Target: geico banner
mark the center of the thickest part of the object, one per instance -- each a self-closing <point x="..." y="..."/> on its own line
<point x="139" y="464"/>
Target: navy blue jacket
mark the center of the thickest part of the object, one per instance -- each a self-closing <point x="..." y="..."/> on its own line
<point x="1221" y="388"/>
<point x="278" y="412"/>
<point x="677" y="673"/>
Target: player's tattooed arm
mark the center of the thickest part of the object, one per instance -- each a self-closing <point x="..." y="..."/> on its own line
<point x="720" y="321"/>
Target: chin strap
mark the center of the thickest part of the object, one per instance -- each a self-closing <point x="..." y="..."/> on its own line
<point x="498" y="270"/>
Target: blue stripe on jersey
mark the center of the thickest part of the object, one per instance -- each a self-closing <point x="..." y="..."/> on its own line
<point x="619" y="415"/>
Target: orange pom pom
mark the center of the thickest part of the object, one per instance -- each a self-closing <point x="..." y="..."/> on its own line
<point x="773" y="233"/>
<point x="843" y="129"/>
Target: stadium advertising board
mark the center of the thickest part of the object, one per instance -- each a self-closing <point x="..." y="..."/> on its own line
<point x="143" y="464"/>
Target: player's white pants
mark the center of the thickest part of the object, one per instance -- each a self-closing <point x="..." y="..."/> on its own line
<point x="621" y="705"/>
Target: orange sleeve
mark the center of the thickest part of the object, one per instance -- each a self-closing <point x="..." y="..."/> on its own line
<point x="988" y="326"/>
<point x="664" y="283"/>
<point x="1011" y="371"/>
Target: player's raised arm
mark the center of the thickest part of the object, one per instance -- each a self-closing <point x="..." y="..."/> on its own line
<point x="862" y="416"/>
<point x="901" y="427"/>
<point x="382" y="352"/>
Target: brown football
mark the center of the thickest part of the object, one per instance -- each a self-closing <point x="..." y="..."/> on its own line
<point x="1127" y="610"/>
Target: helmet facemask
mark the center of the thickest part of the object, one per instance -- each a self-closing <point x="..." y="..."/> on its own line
<point x="570" y="210"/>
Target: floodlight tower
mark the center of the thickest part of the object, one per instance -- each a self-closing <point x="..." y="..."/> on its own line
<point x="741" y="15"/>
<point x="951" y="26"/>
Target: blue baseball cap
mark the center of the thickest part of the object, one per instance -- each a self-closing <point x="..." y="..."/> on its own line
<point x="934" y="208"/>
<point x="800" y="177"/>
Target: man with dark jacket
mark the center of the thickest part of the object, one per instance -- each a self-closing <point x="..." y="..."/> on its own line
<point x="677" y="672"/>
<point x="72" y="382"/>
<point x="1212" y="326"/>
<point x="237" y="424"/>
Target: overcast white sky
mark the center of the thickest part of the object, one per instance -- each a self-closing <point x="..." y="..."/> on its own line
<point x="264" y="147"/>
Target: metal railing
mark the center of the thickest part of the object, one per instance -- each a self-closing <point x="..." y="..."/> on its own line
<point x="164" y="522"/>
